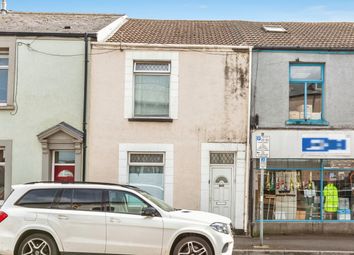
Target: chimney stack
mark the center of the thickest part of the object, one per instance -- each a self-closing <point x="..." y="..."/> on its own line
<point x="3" y="7"/>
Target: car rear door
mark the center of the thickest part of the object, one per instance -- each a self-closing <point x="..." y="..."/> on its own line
<point x="128" y="232"/>
<point x="79" y="220"/>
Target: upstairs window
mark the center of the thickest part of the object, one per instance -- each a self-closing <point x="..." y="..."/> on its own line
<point x="152" y="89"/>
<point x="306" y="93"/>
<point x="4" y="75"/>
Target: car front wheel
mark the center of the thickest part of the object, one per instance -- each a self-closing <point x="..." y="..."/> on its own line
<point x="38" y="244"/>
<point x="192" y="245"/>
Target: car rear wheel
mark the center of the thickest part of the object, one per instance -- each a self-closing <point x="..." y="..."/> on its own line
<point x="38" y="244"/>
<point x="192" y="245"/>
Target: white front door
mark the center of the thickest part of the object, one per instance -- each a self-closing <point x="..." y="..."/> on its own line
<point x="221" y="190"/>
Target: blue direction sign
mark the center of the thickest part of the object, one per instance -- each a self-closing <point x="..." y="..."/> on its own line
<point x="325" y="144"/>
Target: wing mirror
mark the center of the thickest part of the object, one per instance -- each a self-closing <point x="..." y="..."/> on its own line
<point x="149" y="212"/>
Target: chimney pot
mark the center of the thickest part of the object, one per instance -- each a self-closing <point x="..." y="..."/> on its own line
<point x="3" y="7"/>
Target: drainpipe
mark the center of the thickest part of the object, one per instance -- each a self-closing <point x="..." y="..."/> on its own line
<point x="84" y="117"/>
<point x="248" y="145"/>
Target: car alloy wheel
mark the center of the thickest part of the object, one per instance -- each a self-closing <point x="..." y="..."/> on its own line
<point x="192" y="248"/>
<point x="36" y="246"/>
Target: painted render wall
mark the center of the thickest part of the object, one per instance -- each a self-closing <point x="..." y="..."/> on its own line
<point x="212" y="100"/>
<point x="49" y="91"/>
<point x="270" y="80"/>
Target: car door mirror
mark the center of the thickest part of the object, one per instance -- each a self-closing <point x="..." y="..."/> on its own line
<point x="149" y="212"/>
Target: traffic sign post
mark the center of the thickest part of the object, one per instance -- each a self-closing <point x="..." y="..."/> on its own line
<point x="263" y="151"/>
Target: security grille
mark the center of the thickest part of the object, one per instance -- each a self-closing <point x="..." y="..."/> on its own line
<point x="222" y="158"/>
<point x="152" y="67"/>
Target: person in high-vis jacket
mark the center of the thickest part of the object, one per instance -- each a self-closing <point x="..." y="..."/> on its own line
<point x="330" y="192"/>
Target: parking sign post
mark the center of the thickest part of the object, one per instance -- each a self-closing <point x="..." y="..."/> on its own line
<point x="263" y="154"/>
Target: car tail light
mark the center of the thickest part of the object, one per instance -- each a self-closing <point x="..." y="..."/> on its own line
<point x="3" y="216"/>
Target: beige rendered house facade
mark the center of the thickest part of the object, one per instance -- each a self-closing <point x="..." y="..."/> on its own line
<point x="169" y="114"/>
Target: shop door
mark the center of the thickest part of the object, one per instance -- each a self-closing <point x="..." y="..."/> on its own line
<point x="221" y="190"/>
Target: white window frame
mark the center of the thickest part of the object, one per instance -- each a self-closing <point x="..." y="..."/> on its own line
<point x="151" y="73"/>
<point x="167" y="149"/>
<point x="132" y="57"/>
<point x="5" y="55"/>
<point x="60" y="164"/>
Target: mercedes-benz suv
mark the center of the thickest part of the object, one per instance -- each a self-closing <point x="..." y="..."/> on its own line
<point x="92" y="218"/>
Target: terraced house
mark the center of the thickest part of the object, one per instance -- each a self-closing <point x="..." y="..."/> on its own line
<point x="168" y="113"/>
<point x="303" y="105"/>
<point x="42" y="93"/>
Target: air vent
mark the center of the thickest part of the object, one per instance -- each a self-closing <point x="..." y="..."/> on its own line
<point x="274" y="28"/>
<point x="67" y="27"/>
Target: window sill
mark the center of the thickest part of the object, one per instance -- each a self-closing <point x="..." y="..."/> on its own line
<point x="7" y="107"/>
<point x="156" y="119"/>
<point x="307" y="122"/>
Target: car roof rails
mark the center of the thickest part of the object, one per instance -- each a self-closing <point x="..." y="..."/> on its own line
<point x="79" y="182"/>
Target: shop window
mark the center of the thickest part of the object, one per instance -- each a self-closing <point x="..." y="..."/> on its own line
<point x="146" y="171"/>
<point x="151" y="89"/>
<point x="307" y="190"/>
<point x="2" y="174"/>
<point x="306" y="94"/>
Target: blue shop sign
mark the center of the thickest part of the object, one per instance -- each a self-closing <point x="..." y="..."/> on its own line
<point x="326" y="144"/>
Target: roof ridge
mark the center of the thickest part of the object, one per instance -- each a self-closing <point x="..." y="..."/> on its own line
<point x="246" y="21"/>
<point x="66" y="13"/>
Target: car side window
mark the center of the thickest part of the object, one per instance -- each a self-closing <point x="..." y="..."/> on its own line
<point x="38" y="198"/>
<point x="87" y="200"/>
<point x="125" y="202"/>
<point x="80" y="199"/>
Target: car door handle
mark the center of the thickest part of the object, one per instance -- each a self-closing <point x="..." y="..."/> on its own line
<point x="63" y="217"/>
<point x="115" y="220"/>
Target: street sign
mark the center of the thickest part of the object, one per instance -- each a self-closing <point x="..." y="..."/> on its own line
<point x="262" y="146"/>
<point x="326" y="144"/>
<point x="262" y="163"/>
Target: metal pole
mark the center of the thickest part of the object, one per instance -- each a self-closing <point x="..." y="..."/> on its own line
<point x="261" y="208"/>
<point x="261" y="216"/>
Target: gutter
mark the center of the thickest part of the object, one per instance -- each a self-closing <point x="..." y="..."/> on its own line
<point x="169" y="46"/>
<point x="70" y="35"/>
<point x="84" y="117"/>
<point x="248" y="145"/>
<point x="280" y="48"/>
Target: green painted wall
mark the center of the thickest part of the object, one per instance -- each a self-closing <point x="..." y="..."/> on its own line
<point x="49" y="91"/>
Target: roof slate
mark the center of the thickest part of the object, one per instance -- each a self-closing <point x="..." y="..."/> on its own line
<point x="330" y="35"/>
<point x="32" y="22"/>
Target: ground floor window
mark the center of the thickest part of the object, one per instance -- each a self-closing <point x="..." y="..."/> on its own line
<point x="146" y="171"/>
<point x="2" y="173"/>
<point x="64" y="166"/>
<point x="306" y="190"/>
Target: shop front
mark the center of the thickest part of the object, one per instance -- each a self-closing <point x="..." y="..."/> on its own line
<point x="308" y="180"/>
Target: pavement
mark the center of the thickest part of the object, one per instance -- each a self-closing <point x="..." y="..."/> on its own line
<point x="308" y="244"/>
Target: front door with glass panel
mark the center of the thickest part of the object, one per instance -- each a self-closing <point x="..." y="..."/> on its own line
<point x="221" y="169"/>
<point x="63" y="166"/>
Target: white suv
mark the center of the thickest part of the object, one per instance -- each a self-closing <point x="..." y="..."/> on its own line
<point x="92" y="218"/>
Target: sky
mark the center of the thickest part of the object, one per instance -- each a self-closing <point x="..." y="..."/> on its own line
<point x="260" y="10"/>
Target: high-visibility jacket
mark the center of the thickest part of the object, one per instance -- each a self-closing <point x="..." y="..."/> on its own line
<point x="330" y="193"/>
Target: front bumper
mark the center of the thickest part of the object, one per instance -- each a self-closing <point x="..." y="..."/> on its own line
<point x="224" y="244"/>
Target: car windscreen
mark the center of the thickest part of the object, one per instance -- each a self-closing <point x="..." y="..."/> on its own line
<point x="157" y="201"/>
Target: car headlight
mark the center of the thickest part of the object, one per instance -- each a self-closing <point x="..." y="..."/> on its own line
<point x="220" y="227"/>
